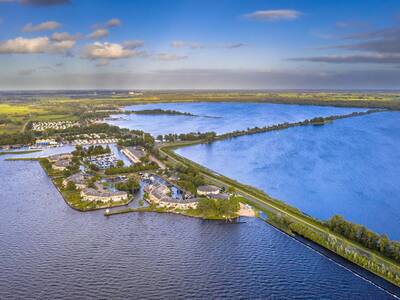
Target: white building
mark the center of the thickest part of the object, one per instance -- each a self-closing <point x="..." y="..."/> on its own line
<point x="207" y="190"/>
<point x="159" y="194"/>
<point x="93" y="195"/>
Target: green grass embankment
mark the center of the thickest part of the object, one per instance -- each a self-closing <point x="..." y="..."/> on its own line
<point x="304" y="225"/>
<point x="19" y="152"/>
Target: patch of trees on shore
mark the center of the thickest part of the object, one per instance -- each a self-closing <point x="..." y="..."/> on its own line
<point x="131" y="185"/>
<point x="131" y="169"/>
<point x="365" y="237"/>
<point x="192" y="136"/>
<point x="353" y="232"/>
<point x="218" y="207"/>
<point x="189" y="179"/>
<point x="145" y="140"/>
<point x="317" y="120"/>
<point x="159" y="112"/>
<point x="347" y="251"/>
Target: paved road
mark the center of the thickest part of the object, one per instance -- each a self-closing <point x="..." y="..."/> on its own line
<point x="270" y="206"/>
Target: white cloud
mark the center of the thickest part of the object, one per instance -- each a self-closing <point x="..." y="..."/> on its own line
<point x="61" y="47"/>
<point x="180" y="44"/>
<point x="22" y="45"/>
<point x="133" y="44"/>
<point x="170" y="56"/>
<point x="106" y="51"/>
<point x="274" y="15"/>
<point x="375" y="58"/>
<point x="233" y="46"/>
<point x="49" y="25"/>
<point x="98" y="33"/>
<point x="114" y="22"/>
<point x="63" y="36"/>
<point x="186" y="44"/>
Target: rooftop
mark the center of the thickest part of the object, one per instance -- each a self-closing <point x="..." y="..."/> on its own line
<point x="102" y="193"/>
<point x="62" y="163"/>
<point x="208" y="189"/>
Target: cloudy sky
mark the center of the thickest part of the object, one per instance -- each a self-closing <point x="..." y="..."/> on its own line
<point x="79" y="44"/>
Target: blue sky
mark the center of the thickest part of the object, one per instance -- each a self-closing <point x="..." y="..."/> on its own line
<point x="50" y="44"/>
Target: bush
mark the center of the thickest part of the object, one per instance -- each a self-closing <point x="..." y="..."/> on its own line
<point x="71" y="186"/>
<point x="218" y="208"/>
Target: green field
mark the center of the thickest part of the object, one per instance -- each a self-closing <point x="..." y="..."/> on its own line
<point x="13" y="117"/>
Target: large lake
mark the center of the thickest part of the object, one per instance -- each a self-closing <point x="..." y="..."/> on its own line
<point x="49" y="251"/>
<point x="349" y="167"/>
<point x="220" y="117"/>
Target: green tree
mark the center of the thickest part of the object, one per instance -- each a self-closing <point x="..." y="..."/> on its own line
<point x="119" y="164"/>
<point x="71" y="186"/>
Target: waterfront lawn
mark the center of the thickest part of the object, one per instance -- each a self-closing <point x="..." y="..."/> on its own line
<point x="19" y="152"/>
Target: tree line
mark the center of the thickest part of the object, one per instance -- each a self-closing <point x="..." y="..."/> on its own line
<point x="192" y="136"/>
<point x="92" y="150"/>
<point x="365" y="237"/>
<point x="131" y="169"/>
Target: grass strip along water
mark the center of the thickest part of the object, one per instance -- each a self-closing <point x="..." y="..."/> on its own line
<point x="292" y="220"/>
<point x="19" y="152"/>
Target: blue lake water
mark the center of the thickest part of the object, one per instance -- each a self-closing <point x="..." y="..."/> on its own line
<point x="349" y="167"/>
<point x="225" y="117"/>
<point x="50" y="251"/>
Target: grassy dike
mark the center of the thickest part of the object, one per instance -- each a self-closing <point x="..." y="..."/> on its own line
<point x="19" y="152"/>
<point x="298" y="223"/>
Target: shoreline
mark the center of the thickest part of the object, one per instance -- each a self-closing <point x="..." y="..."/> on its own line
<point x="277" y="206"/>
<point x="259" y="197"/>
